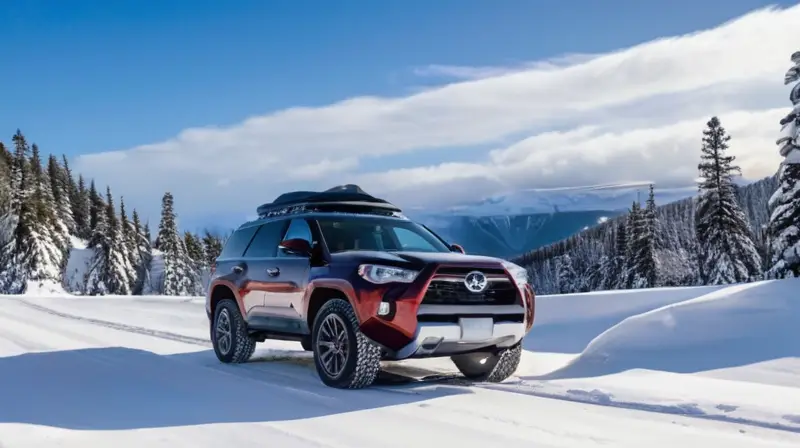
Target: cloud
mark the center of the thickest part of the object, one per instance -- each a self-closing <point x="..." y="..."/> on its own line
<point x="472" y="73"/>
<point x="628" y="114"/>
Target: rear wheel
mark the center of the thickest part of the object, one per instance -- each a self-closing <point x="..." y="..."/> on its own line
<point x="343" y="356"/>
<point x="492" y="367"/>
<point x="229" y="336"/>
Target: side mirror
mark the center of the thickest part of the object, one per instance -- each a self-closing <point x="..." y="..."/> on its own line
<point x="296" y="246"/>
<point x="457" y="248"/>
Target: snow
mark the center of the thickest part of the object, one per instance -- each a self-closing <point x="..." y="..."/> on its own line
<point x="701" y="367"/>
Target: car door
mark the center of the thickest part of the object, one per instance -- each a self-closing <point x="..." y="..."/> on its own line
<point x="294" y="273"/>
<point x="231" y="267"/>
<point x="260" y="263"/>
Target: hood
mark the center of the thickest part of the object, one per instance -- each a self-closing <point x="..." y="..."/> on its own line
<point x="414" y="258"/>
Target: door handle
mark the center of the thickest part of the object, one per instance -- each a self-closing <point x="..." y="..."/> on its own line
<point x="274" y="272"/>
<point x="238" y="269"/>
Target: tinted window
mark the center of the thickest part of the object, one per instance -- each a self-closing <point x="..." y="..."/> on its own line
<point x="298" y="228"/>
<point x="382" y="234"/>
<point x="237" y="242"/>
<point x="265" y="244"/>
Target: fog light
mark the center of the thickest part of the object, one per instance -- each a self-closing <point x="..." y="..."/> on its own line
<point x="383" y="309"/>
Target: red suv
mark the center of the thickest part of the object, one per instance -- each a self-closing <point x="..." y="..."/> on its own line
<point x="356" y="282"/>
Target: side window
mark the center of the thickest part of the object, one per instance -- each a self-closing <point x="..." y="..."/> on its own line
<point x="265" y="244"/>
<point x="298" y="228"/>
<point x="237" y="242"/>
<point x="411" y="240"/>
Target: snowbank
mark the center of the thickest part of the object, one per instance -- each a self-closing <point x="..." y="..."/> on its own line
<point x="734" y="326"/>
<point x="566" y="323"/>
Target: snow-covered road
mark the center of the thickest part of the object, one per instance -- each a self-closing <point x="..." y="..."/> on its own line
<point x="122" y="372"/>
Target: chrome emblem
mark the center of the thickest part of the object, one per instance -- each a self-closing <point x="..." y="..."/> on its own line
<point x="475" y="281"/>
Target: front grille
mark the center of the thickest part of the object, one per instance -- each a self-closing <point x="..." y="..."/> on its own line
<point x="456" y="293"/>
<point x="457" y="270"/>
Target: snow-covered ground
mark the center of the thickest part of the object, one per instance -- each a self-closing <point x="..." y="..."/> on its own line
<point x="698" y="367"/>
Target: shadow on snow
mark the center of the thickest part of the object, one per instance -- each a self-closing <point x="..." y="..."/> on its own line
<point x="119" y="388"/>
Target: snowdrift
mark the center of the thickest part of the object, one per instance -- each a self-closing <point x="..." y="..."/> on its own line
<point x="567" y="323"/>
<point x="733" y="326"/>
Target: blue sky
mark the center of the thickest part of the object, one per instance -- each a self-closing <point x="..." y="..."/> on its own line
<point x="94" y="76"/>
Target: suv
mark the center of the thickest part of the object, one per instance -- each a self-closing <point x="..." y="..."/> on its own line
<point x="356" y="282"/>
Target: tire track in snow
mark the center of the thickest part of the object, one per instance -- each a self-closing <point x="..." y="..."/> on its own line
<point x="121" y="327"/>
<point x="600" y="398"/>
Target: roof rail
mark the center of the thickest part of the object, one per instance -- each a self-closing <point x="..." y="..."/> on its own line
<point x="344" y="198"/>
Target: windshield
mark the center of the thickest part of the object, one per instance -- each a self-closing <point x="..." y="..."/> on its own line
<point x="381" y="234"/>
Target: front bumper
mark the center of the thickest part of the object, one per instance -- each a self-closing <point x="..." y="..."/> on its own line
<point x="477" y="328"/>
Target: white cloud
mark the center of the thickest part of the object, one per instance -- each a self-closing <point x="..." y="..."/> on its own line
<point x="629" y="114"/>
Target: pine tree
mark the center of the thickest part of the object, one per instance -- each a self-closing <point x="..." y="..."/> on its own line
<point x="81" y="210"/>
<point x="634" y="229"/>
<point x="128" y="240"/>
<point x="212" y="247"/>
<point x="784" y="223"/>
<point x="42" y="256"/>
<point x="144" y="254"/>
<point x="6" y="162"/>
<point x="62" y="195"/>
<point x="644" y="268"/>
<point x="109" y="269"/>
<point x="727" y="253"/>
<point x="61" y="211"/>
<point x="194" y="249"/>
<point x="17" y="247"/>
<point x="566" y="275"/>
<point x="180" y="278"/>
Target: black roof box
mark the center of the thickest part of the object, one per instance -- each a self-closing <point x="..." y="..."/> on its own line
<point x="348" y="195"/>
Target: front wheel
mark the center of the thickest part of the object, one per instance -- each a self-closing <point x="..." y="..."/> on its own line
<point x="492" y="367"/>
<point x="343" y="356"/>
<point x="229" y="336"/>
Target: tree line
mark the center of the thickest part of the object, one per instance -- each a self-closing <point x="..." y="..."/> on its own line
<point x="45" y="211"/>
<point x="726" y="234"/>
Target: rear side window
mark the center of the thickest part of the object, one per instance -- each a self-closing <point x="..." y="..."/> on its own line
<point x="265" y="244"/>
<point x="237" y="242"/>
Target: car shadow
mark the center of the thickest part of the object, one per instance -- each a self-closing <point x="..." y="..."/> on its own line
<point x="120" y="388"/>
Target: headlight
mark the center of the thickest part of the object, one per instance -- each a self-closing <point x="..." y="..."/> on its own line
<point x="386" y="274"/>
<point x="519" y="273"/>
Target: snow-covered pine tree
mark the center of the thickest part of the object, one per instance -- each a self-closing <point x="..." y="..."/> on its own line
<point x="212" y="247"/>
<point x="634" y="230"/>
<point x="62" y="196"/>
<point x="566" y="275"/>
<point x="727" y="252"/>
<point x="143" y="252"/>
<point x="109" y="268"/>
<point x="614" y="258"/>
<point x="43" y="253"/>
<point x="784" y="223"/>
<point x="81" y="210"/>
<point x="97" y="207"/>
<point x="644" y="266"/>
<point x="128" y="243"/>
<point x="147" y="234"/>
<point x="56" y="197"/>
<point x="180" y="278"/>
<point x="194" y="249"/>
<point x="5" y="181"/>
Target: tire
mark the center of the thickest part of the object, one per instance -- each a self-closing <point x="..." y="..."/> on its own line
<point x="358" y="360"/>
<point x="496" y="367"/>
<point x="236" y="346"/>
<point x="307" y="345"/>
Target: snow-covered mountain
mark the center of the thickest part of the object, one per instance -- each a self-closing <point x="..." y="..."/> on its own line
<point x="518" y="222"/>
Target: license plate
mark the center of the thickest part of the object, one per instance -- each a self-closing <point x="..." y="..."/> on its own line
<point x="476" y="329"/>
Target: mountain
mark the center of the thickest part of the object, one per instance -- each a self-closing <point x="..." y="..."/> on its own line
<point x="587" y="253"/>
<point x="515" y="223"/>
